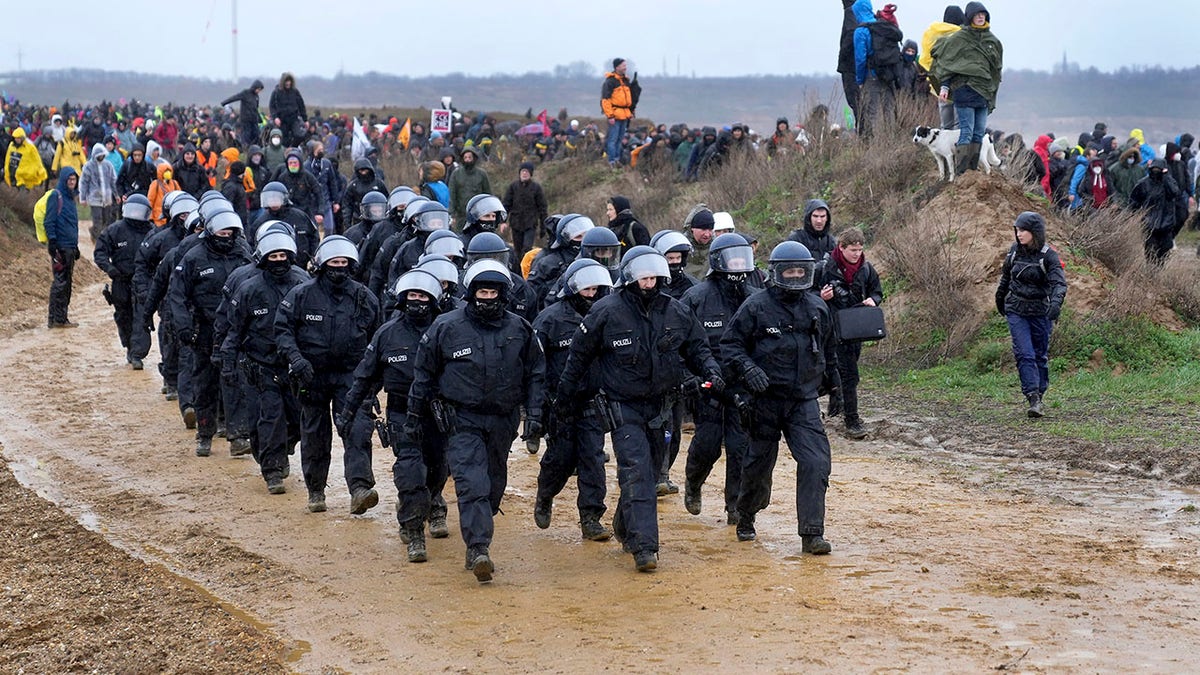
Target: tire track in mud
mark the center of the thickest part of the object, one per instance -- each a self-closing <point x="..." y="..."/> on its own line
<point x="940" y="562"/>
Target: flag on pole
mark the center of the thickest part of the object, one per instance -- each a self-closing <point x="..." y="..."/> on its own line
<point x="359" y="143"/>
<point x="405" y="132"/>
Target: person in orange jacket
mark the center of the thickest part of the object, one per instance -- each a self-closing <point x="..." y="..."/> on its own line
<point x="159" y="189"/>
<point x="618" y="100"/>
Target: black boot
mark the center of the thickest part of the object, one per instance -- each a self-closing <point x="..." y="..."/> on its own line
<point x="973" y="157"/>
<point x="542" y="510"/>
<point x="962" y="159"/>
<point x="416" y="543"/>
<point x="815" y="544"/>
<point x="1035" y="405"/>
<point x="363" y="499"/>
<point x="691" y="497"/>
<point x="481" y="564"/>
<point x="592" y="529"/>
<point x="745" y="528"/>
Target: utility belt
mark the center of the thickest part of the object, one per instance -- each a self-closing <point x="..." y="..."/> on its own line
<point x="397" y="403"/>
<point x="259" y="375"/>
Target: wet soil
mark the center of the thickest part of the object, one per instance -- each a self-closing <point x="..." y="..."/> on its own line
<point x="942" y="561"/>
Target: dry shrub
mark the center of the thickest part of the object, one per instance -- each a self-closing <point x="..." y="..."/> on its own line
<point x="1111" y="236"/>
<point x="1181" y="290"/>
<point x="923" y="253"/>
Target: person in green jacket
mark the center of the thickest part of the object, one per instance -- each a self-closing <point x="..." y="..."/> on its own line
<point x="469" y="180"/>
<point x="967" y="66"/>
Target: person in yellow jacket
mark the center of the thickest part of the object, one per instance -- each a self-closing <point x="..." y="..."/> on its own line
<point x="617" y="102"/>
<point x="70" y="152"/>
<point x="159" y="189"/>
<point x="952" y="22"/>
<point x="23" y="166"/>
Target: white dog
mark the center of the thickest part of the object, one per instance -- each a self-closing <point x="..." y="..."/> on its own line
<point x="941" y="144"/>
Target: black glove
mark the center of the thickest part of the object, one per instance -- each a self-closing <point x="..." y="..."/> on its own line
<point x="533" y="425"/>
<point x="1053" y="313"/>
<point x="690" y="388"/>
<point x="76" y="253"/>
<point x="717" y="382"/>
<point x="412" y="427"/>
<point x="564" y="409"/>
<point x="756" y="379"/>
<point x="190" y="337"/>
<point x="301" y="371"/>
<point x="52" y="247"/>
<point x="228" y="372"/>
<point x="343" y="421"/>
<point x="1000" y="304"/>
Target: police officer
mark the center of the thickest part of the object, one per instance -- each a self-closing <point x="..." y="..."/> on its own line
<point x="575" y="444"/>
<point x="484" y="363"/>
<point x="322" y="328"/>
<point x="485" y="213"/>
<point x="714" y="302"/>
<point x="425" y="218"/>
<point x="419" y="471"/>
<point x="489" y="246"/>
<point x="156" y="300"/>
<point x="781" y="344"/>
<point x="676" y="248"/>
<point x="405" y="231"/>
<point x="250" y="347"/>
<point x="551" y="262"/>
<point x="371" y="210"/>
<point x="636" y="337"/>
<point x="194" y="295"/>
<point x="384" y="230"/>
<point x="153" y="249"/>
<point x="276" y="205"/>
<point x="238" y="394"/>
<point x="447" y="273"/>
<point x="599" y="244"/>
<point x="116" y="254"/>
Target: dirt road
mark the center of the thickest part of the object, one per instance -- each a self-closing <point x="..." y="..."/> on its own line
<point x="941" y="561"/>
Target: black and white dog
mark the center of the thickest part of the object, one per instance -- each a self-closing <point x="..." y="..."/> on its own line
<point x="941" y="144"/>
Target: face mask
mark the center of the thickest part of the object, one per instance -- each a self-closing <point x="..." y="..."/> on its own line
<point x="293" y="169"/>
<point x="582" y="304"/>
<point x="167" y="175"/>
<point x="420" y="311"/>
<point x="1096" y="170"/>
<point x="1176" y="157"/>
<point x="909" y="57"/>
<point x="738" y="278"/>
<point x="221" y="244"/>
<point x="276" y="141"/>
<point x="573" y="248"/>
<point x="1130" y="161"/>
<point x="337" y="275"/>
<point x="489" y="310"/>
<point x="318" y="155"/>
<point x="279" y="268"/>
<point x="676" y="268"/>
<point x="1156" y="175"/>
<point x="646" y="294"/>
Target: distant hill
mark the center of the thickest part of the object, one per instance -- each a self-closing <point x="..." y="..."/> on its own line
<point x="1162" y="102"/>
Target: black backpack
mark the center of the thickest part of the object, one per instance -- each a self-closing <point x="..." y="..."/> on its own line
<point x="885" y="47"/>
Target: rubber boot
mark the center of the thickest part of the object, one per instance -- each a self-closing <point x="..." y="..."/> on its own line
<point x="973" y="158"/>
<point x="962" y="159"/>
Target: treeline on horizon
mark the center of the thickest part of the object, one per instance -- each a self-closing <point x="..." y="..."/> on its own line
<point x="1164" y="96"/>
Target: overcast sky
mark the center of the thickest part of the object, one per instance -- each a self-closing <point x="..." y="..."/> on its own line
<point x="705" y="37"/>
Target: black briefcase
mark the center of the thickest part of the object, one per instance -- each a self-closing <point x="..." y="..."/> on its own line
<point x="861" y="324"/>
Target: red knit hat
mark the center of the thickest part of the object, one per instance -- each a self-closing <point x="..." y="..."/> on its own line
<point x="888" y="13"/>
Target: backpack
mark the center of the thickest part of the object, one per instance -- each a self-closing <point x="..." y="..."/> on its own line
<point x="39" y="216"/>
<point x="1012" y="255"/>
<point x="885" y="51"/>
